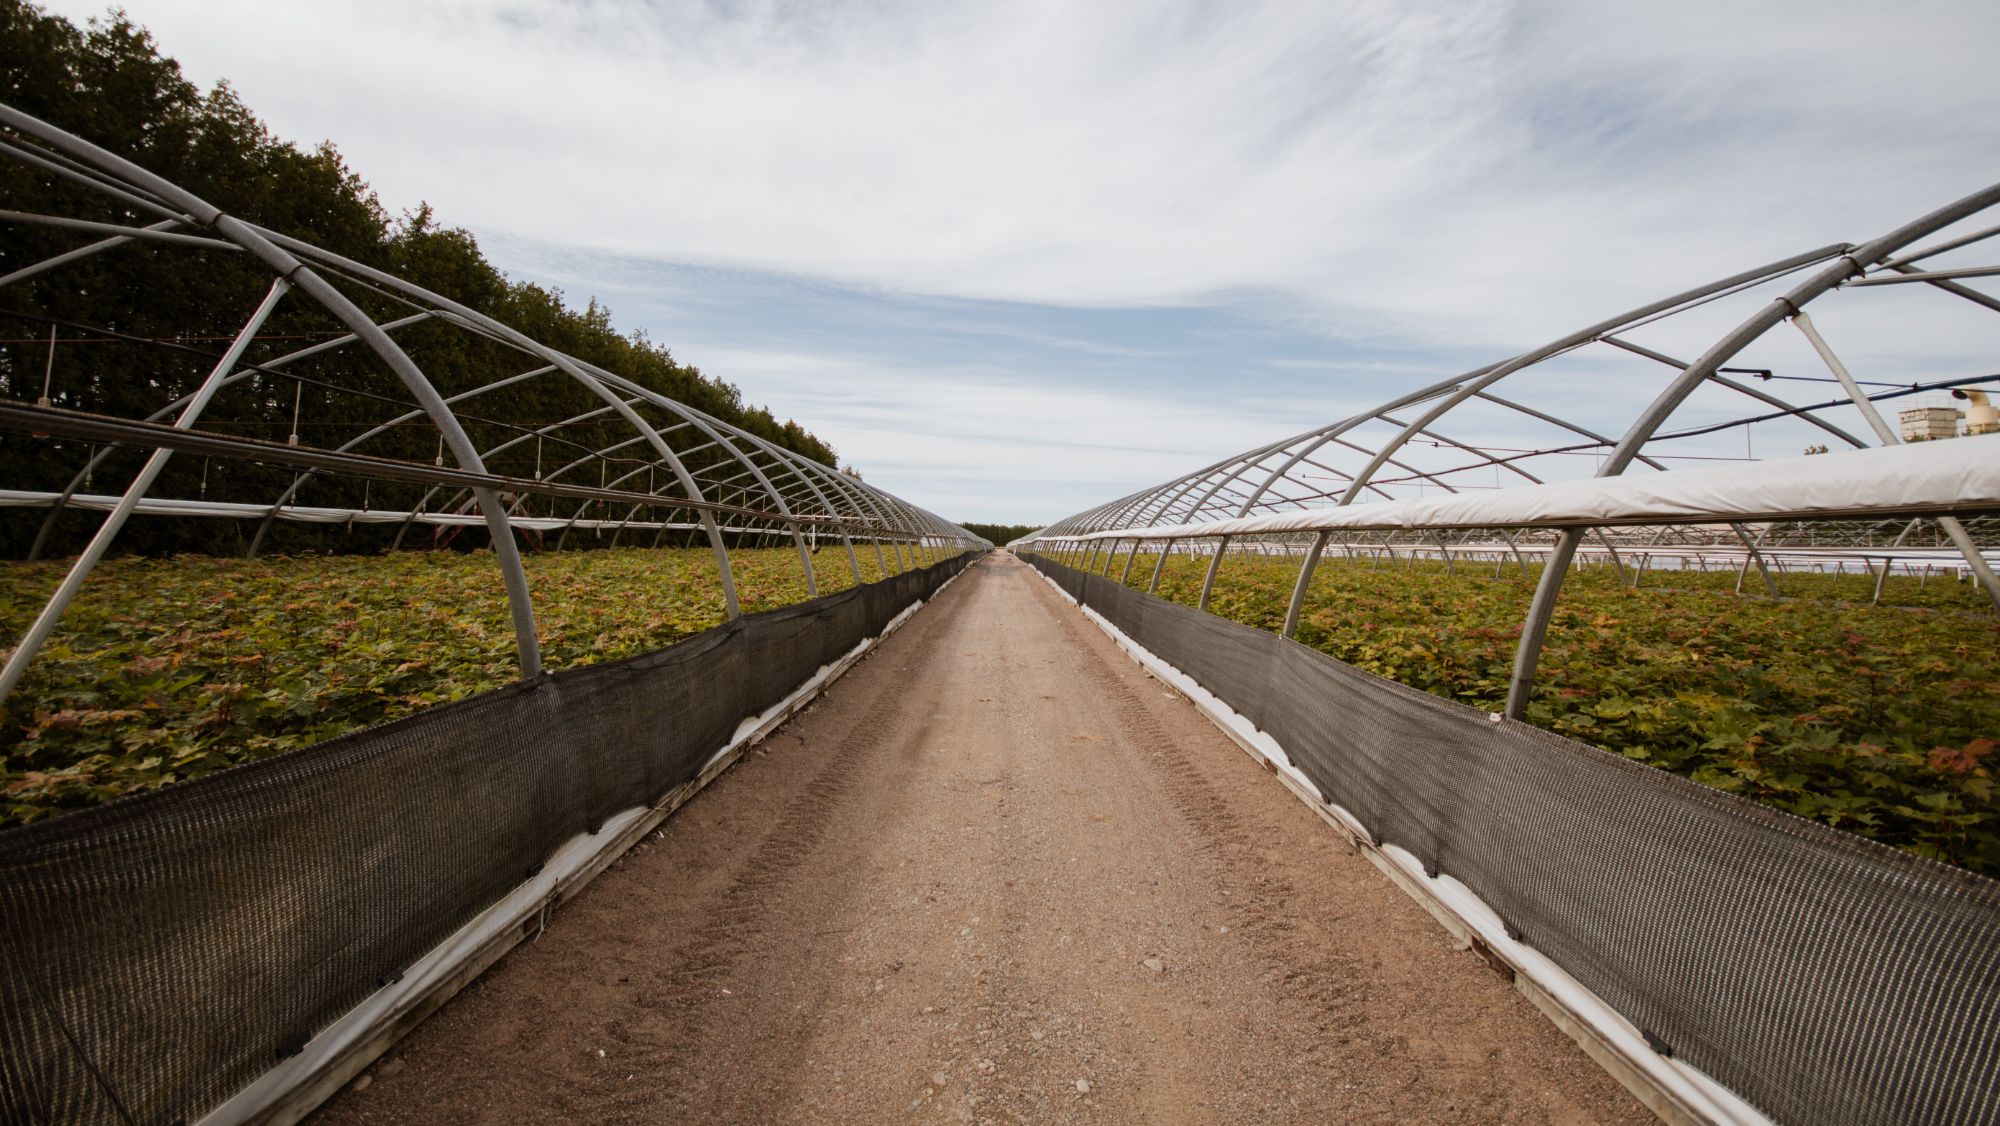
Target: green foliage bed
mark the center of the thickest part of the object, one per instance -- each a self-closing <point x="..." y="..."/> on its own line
<point x="1880" y="720"/>
<point x="166" y="669"/>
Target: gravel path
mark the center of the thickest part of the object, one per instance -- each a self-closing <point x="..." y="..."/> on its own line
<point x="996" y="874"/>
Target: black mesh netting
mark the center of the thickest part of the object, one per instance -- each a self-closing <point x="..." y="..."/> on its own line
<point x="1822" y="977"/>
<point x="160" y="952"/>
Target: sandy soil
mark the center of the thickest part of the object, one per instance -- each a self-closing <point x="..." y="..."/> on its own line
<point x="996" y="874"/>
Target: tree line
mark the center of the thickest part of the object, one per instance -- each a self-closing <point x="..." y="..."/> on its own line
<point x="1001" y="534"/>
<point x="140" y="325"/>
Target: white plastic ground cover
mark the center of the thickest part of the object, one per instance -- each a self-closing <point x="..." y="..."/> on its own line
<point x="1692" y="1090"/>
<point x="1961" y="475"/>
<point x="576" y="855"/>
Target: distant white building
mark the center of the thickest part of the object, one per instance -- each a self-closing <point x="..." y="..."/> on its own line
<point x="1924" y="424"/>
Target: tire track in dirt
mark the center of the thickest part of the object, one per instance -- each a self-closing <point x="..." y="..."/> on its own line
<point x="1255" y="895"/>
<point x="737" y="928"/>
<point x="738" y="920"/>
<point x="1219" y="833"/>
<point x="1343" y="1000"/>
<point x="994" y="862"/>
<point x="1316" y="974"/>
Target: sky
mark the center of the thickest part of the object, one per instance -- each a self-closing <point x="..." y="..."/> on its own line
<point x="1015" y="259"/>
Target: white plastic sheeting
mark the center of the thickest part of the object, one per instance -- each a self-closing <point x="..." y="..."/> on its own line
<point x="1958" y="476"/>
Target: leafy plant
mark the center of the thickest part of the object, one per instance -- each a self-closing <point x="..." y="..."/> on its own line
<point x="1880" y="720"/>
<point x="167" y="669"/>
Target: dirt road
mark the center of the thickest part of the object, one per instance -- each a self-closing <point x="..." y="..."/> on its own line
<point x="996" y="874"/>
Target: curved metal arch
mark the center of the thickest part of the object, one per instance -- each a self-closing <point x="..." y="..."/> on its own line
<point x="598" y="455"/>
<point x="715" y="428"/>
<point x="854" y="491"/>
<point x="301" y="277"/>
<point x="1191" y="499"/>
<point x="467" y="319"/>
<point x="1792" y="304"/>
<point x="846" y="543"/>
<point x="1332" y="434"/>
<point x="783" y="491"/>
<point x="298" y="482"/>
<point x="805" y="469"/>
<point x="1147" y="507"/>
<point x="244" y="371"/>
<point x="1475" y="384"/>
<point x="907" y="513"/>
<point x="1152" y="506"/>
<point x="591" y="382"/>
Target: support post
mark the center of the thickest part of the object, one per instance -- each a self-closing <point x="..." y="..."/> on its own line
<point x="1770" y="587"/>
<point x="1536" y="629"/>
<point x="1214" y="565"/>
<point x="1888" y="561"/>
<point x="853" y="561"/>
<point x="1160" y="566"/>
<point x="1298" y="603"/>
<point x="805" y="558"/>
<point x="1519" y="560"/>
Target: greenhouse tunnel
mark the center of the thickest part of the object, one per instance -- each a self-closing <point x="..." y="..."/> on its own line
<point x="241" y="946"/>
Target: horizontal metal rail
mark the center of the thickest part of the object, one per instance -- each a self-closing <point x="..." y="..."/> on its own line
<point x="1786" y="516"/>
<point x="58" y="422"/>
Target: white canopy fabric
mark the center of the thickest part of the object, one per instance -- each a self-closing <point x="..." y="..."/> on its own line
<point x="1956" y="476"/>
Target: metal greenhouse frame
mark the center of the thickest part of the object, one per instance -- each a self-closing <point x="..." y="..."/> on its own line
<point x="1731" y="962"/>
<point x="1444" y="436"/>
<point x="240" y="945"/>
<point x="682" y="469"/>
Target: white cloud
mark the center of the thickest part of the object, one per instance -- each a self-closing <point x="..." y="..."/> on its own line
<point x="1491" y="172"/>
<point x="1423" y="175"/>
